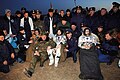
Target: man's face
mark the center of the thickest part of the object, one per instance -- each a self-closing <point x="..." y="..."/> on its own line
<point x="68" y="13"/>
<point x="91" y="12"/>
<point x="36" y="32"/>
<point x="100" y="29"/>
<point x="26" y="15"/>
<point x="78" y="10"/>
<point x="22" y="31"/>
<point x="1" y="38"/>
<point x="108" y="37"/>
<point x="38" y="16"/>
<point x="8" y="14"/>
<point x="64" y="22"/>
<point x="73" y="27"/>
<point x="69" y="35"/>
<point x="19" y="15"/>
<point x="62" y="13"/>
<point x="23" y="11"/>
<point x="103" y="12"/>
<point x="43" y="37"/>
<point x="115" y="9"/>
<point x="50" y="14"/>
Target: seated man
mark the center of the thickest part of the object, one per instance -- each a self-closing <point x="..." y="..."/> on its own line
<point x="71" y="45"/>
<point x="109" y="49"/>
<point x="40" y="53"/>
<point x="23" y="44"/>
<point x="6" y="54"/>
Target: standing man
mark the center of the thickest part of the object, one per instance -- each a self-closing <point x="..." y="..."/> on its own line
<point x="39" y="24"/>
<point x="27" y="23"/>
<point x="8" y="23"/>
<point x="71" y="46"/>
<point x="78" y="17"/>
<point x="91" y="19"/>
<point x="50" y="22"/>
<point x="61" y="15"/>
<point x="114" y="17"/>
<point x="17" y="20"/>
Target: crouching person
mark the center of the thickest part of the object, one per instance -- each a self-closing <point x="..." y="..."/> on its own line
<point x="6" y="54"/>
<point x="40" y="53"/>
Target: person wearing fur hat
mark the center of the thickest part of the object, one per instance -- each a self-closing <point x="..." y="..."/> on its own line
<point x="33" y="15"/>
<point x="39" y="24"/>
<point x="114" y="17"/>
<point x="91" y="19"/>
<point x="27" y="23"/>
<point x="9" y="23"/>
<point x="78" y="17"/>
<point x="50" y="22"/>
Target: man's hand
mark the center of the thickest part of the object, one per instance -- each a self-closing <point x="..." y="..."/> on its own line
<point x="54" y="26"/>
<point x="66" y="50"/>
<point x="49" y="47"/>
<point x="58" y="46"/>
<point x="5" y="62"/>
<point x="12" y="35"/>
<point x="31" y="41"/>
<point x="36" y="53"/>
<point x="87" y="47"/>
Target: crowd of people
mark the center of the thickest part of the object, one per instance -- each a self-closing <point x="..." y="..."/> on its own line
<point x="31" y="36"/>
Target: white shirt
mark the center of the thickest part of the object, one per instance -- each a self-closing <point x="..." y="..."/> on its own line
<point x="30" y="22"/>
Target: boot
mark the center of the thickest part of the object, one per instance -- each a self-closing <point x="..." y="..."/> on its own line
<point x="28" y="73"/>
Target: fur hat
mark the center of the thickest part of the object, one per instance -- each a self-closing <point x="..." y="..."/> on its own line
<point x="7" y="10"/>
<point x="92" y="9"/>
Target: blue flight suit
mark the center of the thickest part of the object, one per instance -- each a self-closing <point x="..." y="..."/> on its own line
<point x="109" y="51"/>
<point x="72" y="47"/>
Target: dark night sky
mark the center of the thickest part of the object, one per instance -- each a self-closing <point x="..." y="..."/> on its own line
<point x="44" y="5"/>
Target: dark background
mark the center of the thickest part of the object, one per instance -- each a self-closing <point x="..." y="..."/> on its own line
<point x="44" y="5"/>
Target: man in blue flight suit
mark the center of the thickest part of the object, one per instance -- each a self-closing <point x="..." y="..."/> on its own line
<point x="7" y="56"/>
<point x="71" y="45"/>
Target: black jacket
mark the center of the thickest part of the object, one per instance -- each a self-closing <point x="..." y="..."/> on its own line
<point x="5" y="50"/>
<point x="47" y="23"/>
<point x="6" y="24"/>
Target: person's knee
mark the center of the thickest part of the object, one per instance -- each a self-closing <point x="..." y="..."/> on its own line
<point x="5" y="69"/>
